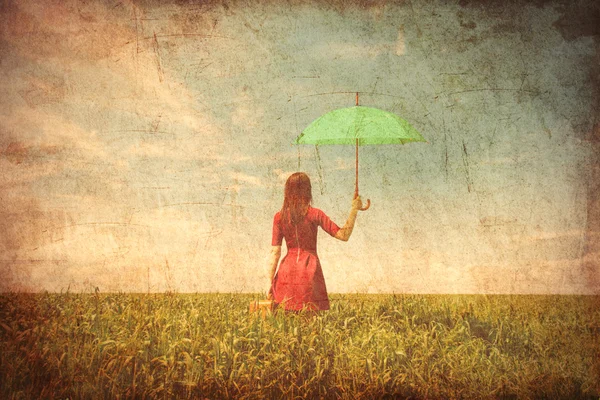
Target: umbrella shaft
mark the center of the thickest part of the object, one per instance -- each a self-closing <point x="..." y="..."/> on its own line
<point x="356" y="184"/>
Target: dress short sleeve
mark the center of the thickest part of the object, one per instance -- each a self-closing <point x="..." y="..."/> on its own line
<point x="277" y="238"/>
<point x="327" y="224"/>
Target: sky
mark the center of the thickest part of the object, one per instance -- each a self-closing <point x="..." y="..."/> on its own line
<point x="144" y="145"/>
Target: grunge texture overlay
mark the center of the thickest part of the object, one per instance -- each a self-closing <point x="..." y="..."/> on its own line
<point x="144" y="145"/>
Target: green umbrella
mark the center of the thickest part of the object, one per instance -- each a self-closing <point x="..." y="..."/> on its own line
<point x="359" y="126"/>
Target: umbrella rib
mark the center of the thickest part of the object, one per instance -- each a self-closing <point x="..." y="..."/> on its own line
<point x="375" y="93"/>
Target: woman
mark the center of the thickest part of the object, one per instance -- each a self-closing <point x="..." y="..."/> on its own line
<point x="299" y="282"/>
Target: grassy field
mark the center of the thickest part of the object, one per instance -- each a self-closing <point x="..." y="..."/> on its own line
<point x="367" y="346"/>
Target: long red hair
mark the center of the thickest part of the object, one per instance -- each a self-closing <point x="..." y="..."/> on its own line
<point x="297" y="198"/>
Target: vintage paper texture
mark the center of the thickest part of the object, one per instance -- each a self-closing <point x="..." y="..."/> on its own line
<point x="144" y="145"/>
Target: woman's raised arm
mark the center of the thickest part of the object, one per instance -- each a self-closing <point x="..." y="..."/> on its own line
<point x="344" y="233"/>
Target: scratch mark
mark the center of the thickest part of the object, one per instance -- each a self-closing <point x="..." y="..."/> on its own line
<point x="466" y="164"/>
<point x="296" y="123"/>
<point x="492" y="142"/>
<point x="106" y="223"/>
<point x="156" y="123"/>
<point x="524" y="76"/>
<point x="187" y="35"/>
<point x="158" y="62"/>
<point x="454" y="73"/>
<point x="211" y="235"/>
<point x="137" y="41"/>
<point x="168" y="275"/>
<point x="202" y="204"/>
<point x="546" y="129"/>
<point x="446" y="157"/>
<point x="319" y="169"/>
<point x="535" y="92"/>
<point x="375" y="86"/>
<point x="31" y="261"/>
<point x="131" y="216"/>
<point x="445" y="145"/>
<point x="247" y="25"/>
<point x="149" y="131"/>
<point x="202" y="66"/>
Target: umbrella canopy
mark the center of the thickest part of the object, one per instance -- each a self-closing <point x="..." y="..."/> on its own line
<point x="359" y="126"/>
<point x="365" y="124"/>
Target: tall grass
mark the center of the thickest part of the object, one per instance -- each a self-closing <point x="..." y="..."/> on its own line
<point x="367" y="346"/>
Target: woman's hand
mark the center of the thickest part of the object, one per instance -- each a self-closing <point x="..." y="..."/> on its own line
<point x="357" y="203"/>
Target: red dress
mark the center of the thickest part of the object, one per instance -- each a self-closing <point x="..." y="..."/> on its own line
<point x="299" y="281"/>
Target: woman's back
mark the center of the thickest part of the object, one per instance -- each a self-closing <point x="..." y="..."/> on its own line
<point x="304" y="234"/>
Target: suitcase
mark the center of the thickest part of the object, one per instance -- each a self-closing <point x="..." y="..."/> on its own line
<point x="262" y="306"/>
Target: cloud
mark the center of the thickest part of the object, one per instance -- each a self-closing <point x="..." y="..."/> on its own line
<point x="48" y="132"/>
<point x="248" y="113"/>
<point x="561" y="276"/>
<point x="343" y="164"/>
<point x="99" y="250"/>
<point x="283" y="175"/>
<point x="122" y="78"/>
<point x="246" y="178"/>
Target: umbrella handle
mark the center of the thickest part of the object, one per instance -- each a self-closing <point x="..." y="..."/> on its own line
<point x="367" y="206"/>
